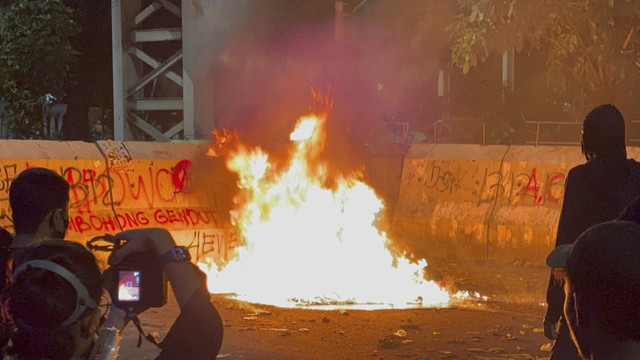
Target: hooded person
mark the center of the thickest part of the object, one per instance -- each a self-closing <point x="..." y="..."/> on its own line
<point x="595" y="192"/>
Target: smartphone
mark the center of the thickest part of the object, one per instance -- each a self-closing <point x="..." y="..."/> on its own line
<point x="128" y="285"/>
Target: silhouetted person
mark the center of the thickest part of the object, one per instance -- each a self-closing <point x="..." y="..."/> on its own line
<point x="39" y="200"/>
<point x="595" y="192"/>
<point x="57" y="287"/>
<point x="602" y="290"/>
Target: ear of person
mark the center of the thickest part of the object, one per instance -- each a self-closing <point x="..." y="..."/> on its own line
<point x="59" y="219"/>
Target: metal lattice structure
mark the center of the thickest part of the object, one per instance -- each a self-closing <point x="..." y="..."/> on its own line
<point x="149" y="91"/>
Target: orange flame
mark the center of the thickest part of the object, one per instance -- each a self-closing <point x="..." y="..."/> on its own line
<point x="306" y="244"/>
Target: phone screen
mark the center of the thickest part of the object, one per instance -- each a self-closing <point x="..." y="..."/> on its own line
<point x="129" y="285"/>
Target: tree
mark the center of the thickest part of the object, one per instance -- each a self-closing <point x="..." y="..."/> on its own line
<point x="91" y="82"/>
<point x="35" y="59"/>
<point x="592" y="46"/>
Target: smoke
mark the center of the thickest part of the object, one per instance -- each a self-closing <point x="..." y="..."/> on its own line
<point x="384" y="70"/>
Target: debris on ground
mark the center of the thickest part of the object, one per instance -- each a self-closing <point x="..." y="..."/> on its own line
<point x="546" y="347"/>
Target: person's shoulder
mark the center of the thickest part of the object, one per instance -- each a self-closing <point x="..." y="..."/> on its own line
<point x="593" y="167"/>
<point x="633" y="163"/>
<point x="579" y="171"/>
<point x="634" y="167"/>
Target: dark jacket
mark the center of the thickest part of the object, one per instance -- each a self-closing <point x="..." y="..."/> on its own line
<point x="595" y="192"/>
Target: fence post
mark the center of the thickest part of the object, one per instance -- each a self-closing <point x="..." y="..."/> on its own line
<point x="484" y="133"/>
<point x="435" y="132"/>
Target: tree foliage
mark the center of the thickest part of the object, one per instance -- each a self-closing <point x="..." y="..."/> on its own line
<point x="592" y="46"/>
<point x="35" y="59"/>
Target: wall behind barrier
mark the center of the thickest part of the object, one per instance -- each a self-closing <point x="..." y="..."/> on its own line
<point x="118" y="186"/>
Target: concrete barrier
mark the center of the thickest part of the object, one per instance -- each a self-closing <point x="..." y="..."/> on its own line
<point x="383" y="172"/>
<point x="445" y="199"/>
<point x="118" y="186"/>
<point x="468" y="201"/>
<point x="527" y="206"/>
<point x="479" y="202"/>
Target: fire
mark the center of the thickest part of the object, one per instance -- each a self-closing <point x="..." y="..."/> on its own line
<point x="307" y="243"/>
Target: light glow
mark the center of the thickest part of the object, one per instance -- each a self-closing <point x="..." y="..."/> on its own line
<point x="306" y="243"/>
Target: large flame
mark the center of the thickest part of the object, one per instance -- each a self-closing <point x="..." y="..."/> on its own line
<point x="306" y="243"/>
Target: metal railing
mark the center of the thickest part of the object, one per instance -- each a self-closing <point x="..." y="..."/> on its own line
<point x="392" y="132"/>
<point x="633" y="127"/>
<point x="537" y="140"/>
<point x="532" y="132"/>
<point x="451" y="120"/>
<point x="537" y="133"/>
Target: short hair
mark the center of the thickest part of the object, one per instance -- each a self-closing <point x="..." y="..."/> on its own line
<point x="33" y="194"/>
<point x="604" y="269"/>
<point x="604" y="132"/>
<point x="40" y="299"/>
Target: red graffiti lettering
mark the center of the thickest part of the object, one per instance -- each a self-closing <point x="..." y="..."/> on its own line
<point x="81" y="225"/>
<point x="109" y="224"/>
<point x="160" y="217"/>
<point x="160" y="185"/>
<point x="78" y="192"/>
<point x="122" y="221"/>
<point x="181" y="213"/>
<point x="142" y="188"/>
<point x="203" y="216"/>
<point x="555" y="180"/>
<point x="192" y="215"/>
<point x="180" y="175"/>
<point x="532" y="188"/>
<point x="96" y="222"/>
<point x="132" y="220"/>
<point x="172" y="216"/>
<point x="142" y="218"/>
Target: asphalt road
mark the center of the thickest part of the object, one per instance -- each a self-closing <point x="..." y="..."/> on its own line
<point x="507" y="326"/>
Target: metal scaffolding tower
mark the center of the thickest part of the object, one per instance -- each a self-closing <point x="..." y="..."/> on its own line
<point x="150" y="97"/>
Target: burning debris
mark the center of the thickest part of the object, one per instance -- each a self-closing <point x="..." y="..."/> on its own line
<point x="308" y="243"/>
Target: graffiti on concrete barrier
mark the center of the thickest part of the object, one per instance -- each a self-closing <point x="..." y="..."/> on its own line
<point x="106" y="201"/>
<point x="131" y="219"/>
<point x="207" y="243"/>
<point x="180" y="175"/>
<point x="118" y="157"/>
<point x="217" y="244"/>
<point x="548" y="191"/>
<point x="475" y="182"/>
<point x="149" y="188"/>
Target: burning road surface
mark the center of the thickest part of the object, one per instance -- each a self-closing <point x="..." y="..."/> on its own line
<point x="307" y="243"/>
